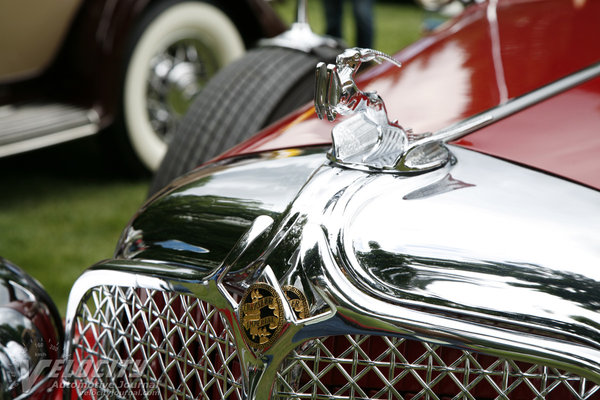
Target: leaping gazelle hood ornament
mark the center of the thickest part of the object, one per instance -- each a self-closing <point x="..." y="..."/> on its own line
<point x="368" y="140"/>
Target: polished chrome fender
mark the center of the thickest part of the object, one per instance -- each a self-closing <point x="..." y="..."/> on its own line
<point x="480" y="255"/>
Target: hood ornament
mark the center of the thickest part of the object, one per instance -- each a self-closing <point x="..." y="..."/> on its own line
<point x="368" y="140"/>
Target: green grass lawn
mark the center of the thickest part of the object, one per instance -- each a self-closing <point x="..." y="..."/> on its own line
<point x="62" y="209"/>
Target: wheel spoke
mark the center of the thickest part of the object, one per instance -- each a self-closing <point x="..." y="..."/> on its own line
<point x="191" y="53"/>
<point x="176" y="76"/>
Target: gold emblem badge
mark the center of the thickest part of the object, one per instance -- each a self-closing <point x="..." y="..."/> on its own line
<point x="261" y="315"/>
<point x="297" y="300"/>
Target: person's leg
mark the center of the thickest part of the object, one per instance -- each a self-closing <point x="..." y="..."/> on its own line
<point x="333" y="17"/>
<point x="363" y="16"/>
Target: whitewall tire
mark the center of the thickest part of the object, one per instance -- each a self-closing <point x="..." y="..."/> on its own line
<point x="176" y="51"/>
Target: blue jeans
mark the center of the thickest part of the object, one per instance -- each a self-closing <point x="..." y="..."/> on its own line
<point x="363" y="17"/>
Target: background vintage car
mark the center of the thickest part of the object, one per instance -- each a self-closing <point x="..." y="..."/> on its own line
<point x="275" y="271"/>
<point x="72" y="68"/>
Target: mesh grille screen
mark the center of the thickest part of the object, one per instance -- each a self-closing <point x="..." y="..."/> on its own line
<point x="146" y="344"/>
<point x="138" y="344"/>
<point x="373" y="367"/>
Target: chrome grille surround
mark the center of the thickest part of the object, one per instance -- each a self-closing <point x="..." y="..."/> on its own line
<point x="134" y="343"/>
<point x="381" y="367"/>
<point x="144" y="343"/>
<point x="347" y="308"/>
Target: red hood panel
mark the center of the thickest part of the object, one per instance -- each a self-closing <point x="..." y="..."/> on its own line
<point x="560" y="135"/>
<point x="492" y="53"/>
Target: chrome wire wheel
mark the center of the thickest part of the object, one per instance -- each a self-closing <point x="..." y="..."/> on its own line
<point x="176" y="76"/>
<point x="178" y="48"/>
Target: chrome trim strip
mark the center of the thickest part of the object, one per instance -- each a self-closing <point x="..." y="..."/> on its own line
<point x="513" y="106"/>
<point x="51" y="139"/>
<point x="48" y="140"/>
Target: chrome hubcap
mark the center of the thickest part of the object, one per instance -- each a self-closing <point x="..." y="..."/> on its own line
<point x="176" y="76"/>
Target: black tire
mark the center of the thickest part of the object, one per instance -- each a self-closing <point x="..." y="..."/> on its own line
<point x="244" y="97"/>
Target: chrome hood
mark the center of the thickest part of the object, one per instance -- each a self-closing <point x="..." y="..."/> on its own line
<point x="480" y="254"/>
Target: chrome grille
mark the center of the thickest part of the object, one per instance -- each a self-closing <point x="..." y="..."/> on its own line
<point x="374" y="367"/>
<point x="139" y="344"/>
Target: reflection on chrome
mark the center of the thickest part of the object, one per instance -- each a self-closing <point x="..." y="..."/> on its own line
<point x="476" y="260"/>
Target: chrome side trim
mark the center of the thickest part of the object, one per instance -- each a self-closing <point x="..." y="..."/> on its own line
<point x="480" y="255"/>
<point x="513" y="106"/>
<point x="31" y="127"/>
<point x="49" y="140"/>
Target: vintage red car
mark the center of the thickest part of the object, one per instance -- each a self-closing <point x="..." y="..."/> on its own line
<point x="451" y="254"/>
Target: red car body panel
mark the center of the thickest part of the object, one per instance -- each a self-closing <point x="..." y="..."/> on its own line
<point x="560" y="135"/>
<point x="492" y="53"/>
